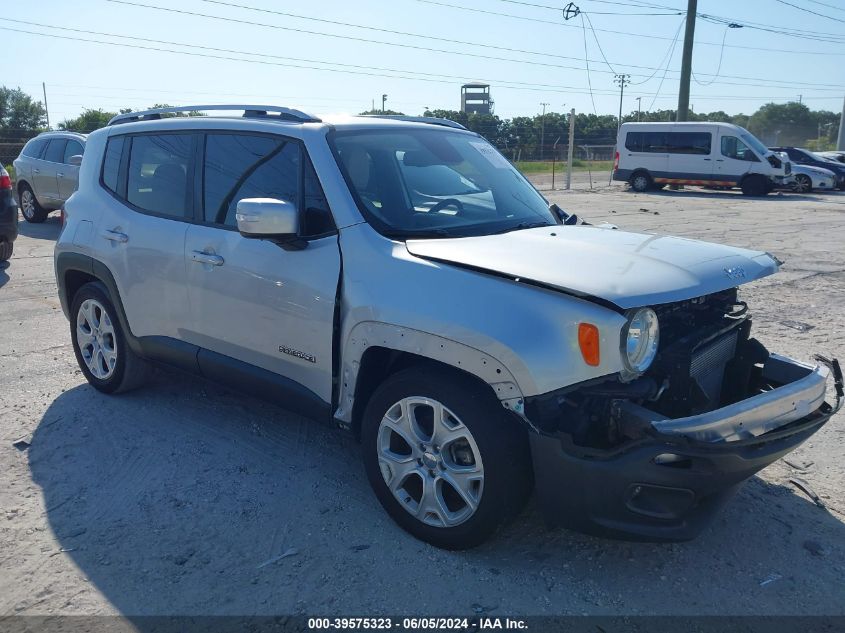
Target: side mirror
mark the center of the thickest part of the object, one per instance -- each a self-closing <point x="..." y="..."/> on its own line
<point x="76" y="160"/>
<point x="267" y="218"/>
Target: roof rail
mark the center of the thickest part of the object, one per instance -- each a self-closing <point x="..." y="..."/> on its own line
<point x="257" y="111"/>
<point x="419" y="119"/>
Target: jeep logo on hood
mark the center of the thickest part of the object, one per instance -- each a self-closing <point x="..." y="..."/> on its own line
<point x="735" y="272"/>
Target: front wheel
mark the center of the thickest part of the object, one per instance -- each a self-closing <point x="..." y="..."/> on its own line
<point x="803" y="184"/>
<point x="442" y="457"/>
<point x="754" y="186"/>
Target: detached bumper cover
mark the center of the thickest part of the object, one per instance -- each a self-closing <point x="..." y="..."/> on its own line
<point x="667" y="484"/>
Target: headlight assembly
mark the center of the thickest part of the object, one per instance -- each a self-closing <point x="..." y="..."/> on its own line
<point x="640" y="338"/>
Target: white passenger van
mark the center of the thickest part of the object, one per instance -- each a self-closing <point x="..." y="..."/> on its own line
<point x="652" y="155"/>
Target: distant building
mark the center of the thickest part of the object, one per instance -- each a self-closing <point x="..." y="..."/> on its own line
<point x="475" y="98"/>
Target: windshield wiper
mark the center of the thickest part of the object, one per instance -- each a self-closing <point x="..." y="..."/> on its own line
<point x="523" y="225"/>
<point x="419" y="233"/>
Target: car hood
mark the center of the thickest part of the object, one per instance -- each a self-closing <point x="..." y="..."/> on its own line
<point x="627" y="269"/>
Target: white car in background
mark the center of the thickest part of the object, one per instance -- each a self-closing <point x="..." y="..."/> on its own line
<point x="806" y="178"/>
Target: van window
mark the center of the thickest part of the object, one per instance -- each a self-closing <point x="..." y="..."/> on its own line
<point x="241" y="166"/>
<point x="158" y="173"/>
<point x="111" y="163"/>
<point x="732" y="147"/>
<point x="669" y="142"/>
<point x="55" y="152"/>
<point x="649" y="142"/>
<point x="689" y="142"/>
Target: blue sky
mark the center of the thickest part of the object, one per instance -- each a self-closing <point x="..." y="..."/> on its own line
<point x="323" y="74"/>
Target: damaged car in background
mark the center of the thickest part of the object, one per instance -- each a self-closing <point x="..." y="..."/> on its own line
<point x="424" y="296"/>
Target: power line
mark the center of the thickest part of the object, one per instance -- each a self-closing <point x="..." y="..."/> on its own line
<point x="545" y="6"/>
<point x="668" y="63"/>
<point x="829" y="6"/>
<point x="772" y="83"/>
<point x="664" y="62"/>
<point x="719" y="65"/>
<point x="587" y="61"/>
<point x="795" y="6"/>
<point x="614" y="32"/>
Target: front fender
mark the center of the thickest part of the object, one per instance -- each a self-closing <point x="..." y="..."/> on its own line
<point x="521" y="339"/>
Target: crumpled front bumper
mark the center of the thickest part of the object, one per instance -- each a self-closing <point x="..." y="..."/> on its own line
<point x="667" y="483"/>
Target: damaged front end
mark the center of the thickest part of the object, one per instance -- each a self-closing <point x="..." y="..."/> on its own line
<point x="656" y="457"/>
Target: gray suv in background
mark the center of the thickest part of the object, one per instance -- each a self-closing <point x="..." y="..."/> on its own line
<point x="399" y="278"/>
<point x="47" y="172"/>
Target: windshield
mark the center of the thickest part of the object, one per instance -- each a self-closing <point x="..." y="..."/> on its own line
<point x="436" y="182"/>
<point x="753" y="143"/>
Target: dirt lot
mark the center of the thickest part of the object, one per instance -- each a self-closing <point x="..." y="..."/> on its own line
<point x="182" y="498"/>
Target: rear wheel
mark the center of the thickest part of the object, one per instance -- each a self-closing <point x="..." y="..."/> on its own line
<point x="442" y="457"/>
<point x="640" y="181"/>
<point x="803" y="184"/>
<point x="32" y="211"/>
<point x="754" y="186"/>
<point x="100" y="344"/>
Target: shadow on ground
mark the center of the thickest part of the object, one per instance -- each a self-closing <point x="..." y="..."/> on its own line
<point x="49" y="229"/>
<point x="182" y="499"/>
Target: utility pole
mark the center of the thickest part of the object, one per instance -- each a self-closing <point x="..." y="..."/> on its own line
<point x="569" y="153"/>
<point x="686" y="62"/>
<point x="639" y="107"/>
<point x="543" y="129"/>
<point x="621" y="80"/>
<point x="799" y="98"/>
<point x="46" y="110"/>
<point x="383" y="99"/>
<point x="840" y="140"/>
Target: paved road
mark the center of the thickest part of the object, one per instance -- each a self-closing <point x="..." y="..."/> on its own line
<point x="173" y="499"/>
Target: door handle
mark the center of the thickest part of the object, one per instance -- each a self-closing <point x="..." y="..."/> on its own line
<point x="720" y="160"/>
<point x="207" y="258"/>
<point x="36" y="171"/>
<point x="707" y="159"/>
<point x="115" y="236"/>
<point x="59" y="174"/>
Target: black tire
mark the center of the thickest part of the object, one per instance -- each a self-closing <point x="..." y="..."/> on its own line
<point x="754" y="186"/>
<point x="6" y="249"/>
<point x="32" y="211"/>
<point x="803" y="184"/>
<point x="641" y="181"/>
<point x="501" y="443"/>
<point x="129" y="371"/>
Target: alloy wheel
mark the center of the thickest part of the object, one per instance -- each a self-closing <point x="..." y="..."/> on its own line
<point x="95" y="338"/>
<point x="27" y="204"/>
<point x="430" y="462"/>
<point x="802" y="183"/>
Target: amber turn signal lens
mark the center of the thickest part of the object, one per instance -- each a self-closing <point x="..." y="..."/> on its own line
<point x="588" y="341"/>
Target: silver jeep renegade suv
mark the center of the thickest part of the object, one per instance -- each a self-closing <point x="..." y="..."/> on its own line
<point x="398" y="277"/>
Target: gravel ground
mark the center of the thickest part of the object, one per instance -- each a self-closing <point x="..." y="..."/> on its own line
<point x="182" y="498"/>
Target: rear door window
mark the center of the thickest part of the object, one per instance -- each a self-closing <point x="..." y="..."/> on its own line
<point x="648" y="142"/>
<point x="111" y="163"/>
<point x="55" y="150"/>
<point x="159" y="173"/>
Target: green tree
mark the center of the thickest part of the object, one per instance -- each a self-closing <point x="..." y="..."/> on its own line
<point x="377" y="111"/>
<point x="20" y="115"/>
<point x="783" y="124"/>
<point x="88" y="121"/>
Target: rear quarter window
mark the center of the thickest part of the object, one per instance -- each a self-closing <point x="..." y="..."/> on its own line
<point x="111" y="163"/>
<point x="34" y="148"/>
